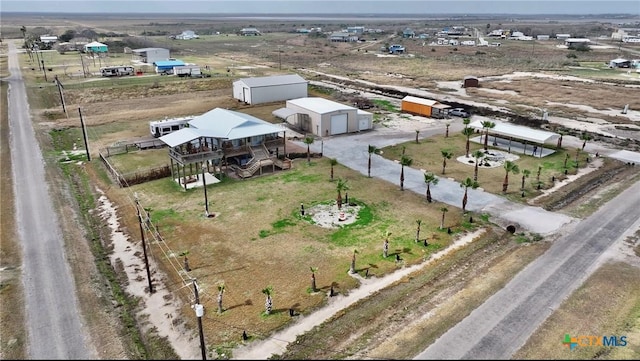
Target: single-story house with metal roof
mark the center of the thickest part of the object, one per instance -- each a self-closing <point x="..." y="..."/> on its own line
<point x="268" y="89"/>
<point x="48" y="39"/>
<point x="96" y="47"/>
<point x="343" y="37"/>
<point x="505" y="135"/>
<point x="424" y="107"/>
<point x="166" y="66"/>
<point x="220" y="137"/>
<point x="324" y="117"/>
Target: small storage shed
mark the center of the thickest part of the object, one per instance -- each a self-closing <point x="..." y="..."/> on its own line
<point x="324" y="117"/>
<point x="166" y="66"/>
<point x="620" y="63"/>
<point x="268" y="89"/>
<point x="96" y="47"/>
<point x="424" y="107"/>
<point x="470" y="81"/>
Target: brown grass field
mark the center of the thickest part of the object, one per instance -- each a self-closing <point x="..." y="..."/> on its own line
<point x="258" y="238"/>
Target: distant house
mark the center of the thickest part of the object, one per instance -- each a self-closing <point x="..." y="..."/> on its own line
<point x="542" y="37"/>
<point x="250" y="32"/>
<point x="150" y="55"/>
<point x="408" y="33"/>
<point x="355" y="29"/>
<point x="270" y="88"/>
<point x="573" y="42"/>
<point x="563" y="36"/>
<point x="166" y="66"/>
<point x="620" y="63"/>
<point x="48" y="39"/>
<point x="96" y="47"/>
<point x="187" y="35"/>
<point x="343" y="37"/>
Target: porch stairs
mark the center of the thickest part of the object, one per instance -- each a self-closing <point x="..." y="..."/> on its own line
<point x="260" y="157"/>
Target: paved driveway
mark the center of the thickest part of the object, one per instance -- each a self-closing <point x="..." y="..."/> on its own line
<point x="352" y="151"/>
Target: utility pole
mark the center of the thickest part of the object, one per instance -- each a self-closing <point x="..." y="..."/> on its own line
<point x="144" y="244"/>
<point x="199" y="313"/>
<point x="84" y="73"/>
<point x="60" y="87"/>
<point x="204" y="185"/>
<point x="84" y="134"/>
<point x="44" y="71"/>
<point x="38" y="60"/>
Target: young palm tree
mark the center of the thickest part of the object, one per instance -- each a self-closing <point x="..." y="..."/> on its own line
<point x="352" y="267"/>
<point x="466" y="184"/>
<point x="332" y="162"/>
<point x="341" y="186"/>
<point x="566" y="158"/>
<point x="468" y="132"/>
<point x="486" y="125"/>
<point x="444" y="211"/>
<point x="446" y="132"/>
<point x="559" y="145"/>
<point x="429" y="179"/>
<point x="584" y="137"/>
<point x="308" y="140"/>
<point x="477" y="155"/>
<point x="221" y="288"/>
<point x="186" y="260"/>
<point x="538" y="174"/>
<point x="509" y="167"/>
<point x="466" y="122"/>
<point x="268" y="303"/>
<point x="385" y="245"/>
<point x="405" y="161"/>
<point x="313" y="278"/>
<point x="446" y="154"/>
<point x="417" y="132"/>
<point x="525" y="174"/>
<point x="418" y="222"/>
<point x="372" y="149"/>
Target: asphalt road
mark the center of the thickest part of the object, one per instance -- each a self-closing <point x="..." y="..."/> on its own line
<point x="53" y="323"/>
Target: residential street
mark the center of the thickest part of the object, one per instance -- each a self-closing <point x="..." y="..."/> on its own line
<point x="53" y="322"/>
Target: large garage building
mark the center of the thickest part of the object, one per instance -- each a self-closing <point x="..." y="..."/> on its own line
<point x="269" y="88"/>
<point x="323" y="117"/>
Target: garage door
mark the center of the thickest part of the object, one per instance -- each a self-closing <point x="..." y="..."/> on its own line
<point x="363" y="124"/>
<point x="339" y="124"/>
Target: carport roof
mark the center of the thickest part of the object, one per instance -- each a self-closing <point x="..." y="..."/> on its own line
<point x="518" y="132"/>
<point x="283" y="113"/>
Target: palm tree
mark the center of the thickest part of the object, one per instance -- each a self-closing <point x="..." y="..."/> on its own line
<point x="385" y="245"/>
<point x="332" y="162"/>
<point x="486" y="125"/>
<point x="268" y="303"/>
<point x="538" y="174"/>
<point x="559" y="145"/>
<point x="308" y="140"/>
<point x="566" y="158"/>
<point x="417" y="132"/>
<point x="468" y="132"/>
<point x="446" y="154"/>
<point x="405" y="161"/>
<point x="525" y="174"/>
<point x="446" y="133"/>
<point x="466" y="122"/>
<point x="23" y="30"/>
<point x="477" y="155"/>
<point x="585" y="137"/>
<point x="313" y="278"/>
<point x="372" y="149"/>
<point x="221" y="288"/>
<point x="466" y="184"/>
<point x="509" y="167"/>
<point x="444" y="211"/>
<point x="352" y="268"/>
<point x="418" y="222"/>
<point x="341" y="186"/>
<point x="186" y="260"/>
<point x="429" y="179"/>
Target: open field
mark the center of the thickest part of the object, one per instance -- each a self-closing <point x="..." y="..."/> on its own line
<point x="258" y="237"/>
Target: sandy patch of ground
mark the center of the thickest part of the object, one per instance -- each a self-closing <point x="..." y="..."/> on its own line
<point x="330" y="216"/>
<point x="493" y="158"/>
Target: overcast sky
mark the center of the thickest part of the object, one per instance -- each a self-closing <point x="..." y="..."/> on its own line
<point x="579" y="7"/>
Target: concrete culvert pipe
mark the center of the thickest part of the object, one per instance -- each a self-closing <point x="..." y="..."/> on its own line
<point x="511" y="229"/>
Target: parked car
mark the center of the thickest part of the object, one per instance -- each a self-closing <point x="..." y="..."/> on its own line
<point x="459" y="112"/>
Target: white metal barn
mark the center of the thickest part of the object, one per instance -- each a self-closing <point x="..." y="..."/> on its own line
<point x="324" y="117"/>
<point x="150" y="55"/>
<point x="270" y="88"/>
